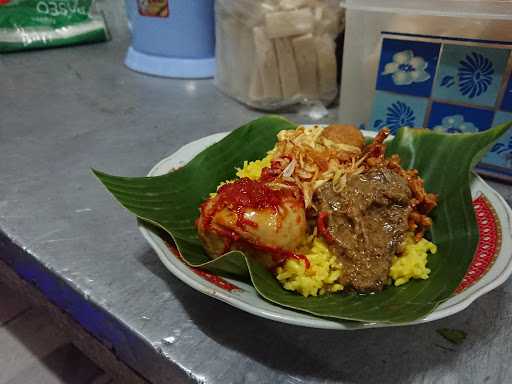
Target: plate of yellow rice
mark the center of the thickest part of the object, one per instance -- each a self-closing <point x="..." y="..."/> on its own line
<point x="491" y="266"/>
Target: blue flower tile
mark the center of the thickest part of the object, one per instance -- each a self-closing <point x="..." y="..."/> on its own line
<point x="407" y="67"/>
<point x="396" y="111"/>
<point x="506" y="103"/>
<point x="470" y="74"/>
<point x="459" y="119"/>
<point x="501" y="153"/>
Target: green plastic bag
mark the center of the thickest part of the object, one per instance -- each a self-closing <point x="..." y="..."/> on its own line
<point x="33" y="24"/>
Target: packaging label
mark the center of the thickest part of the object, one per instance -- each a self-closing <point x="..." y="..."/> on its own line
<point x="43" y="13"/>
<point x="447" y="84"/>
<point x="154" y="8"/>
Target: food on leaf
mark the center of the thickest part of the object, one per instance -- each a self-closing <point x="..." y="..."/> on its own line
<point x="170" y="201"/>
<point x="325" y="213"/>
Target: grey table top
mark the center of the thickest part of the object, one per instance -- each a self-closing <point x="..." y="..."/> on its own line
<point x="63" y="111"/>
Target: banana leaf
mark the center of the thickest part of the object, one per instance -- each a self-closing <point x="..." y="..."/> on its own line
<point x="444" y="160"/>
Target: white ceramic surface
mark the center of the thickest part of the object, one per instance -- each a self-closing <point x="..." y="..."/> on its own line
<point x="248" y="300"/>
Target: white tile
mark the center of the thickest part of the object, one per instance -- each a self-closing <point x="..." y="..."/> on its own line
<point x="26" y="339"/>
<point x="65" y="365"/>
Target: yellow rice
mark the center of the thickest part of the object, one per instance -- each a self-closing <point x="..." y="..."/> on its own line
<point x="319" y="278"/>
<point x="252" y="169"/>
<point x="412" y="263"/>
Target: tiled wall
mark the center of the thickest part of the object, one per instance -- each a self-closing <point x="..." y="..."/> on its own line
<point x="451" y="85"/>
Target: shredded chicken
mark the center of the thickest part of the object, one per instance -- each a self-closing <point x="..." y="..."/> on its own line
<point x="422" y="202"/>
<point x="312" y="156"/>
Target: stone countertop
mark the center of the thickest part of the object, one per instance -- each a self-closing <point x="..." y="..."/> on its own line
<point x="66" y="110"/>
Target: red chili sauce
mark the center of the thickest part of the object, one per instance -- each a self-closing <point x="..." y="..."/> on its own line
<point x="240" y="196"/>
<point x="321" y="224"/>
<point x="272" y="172"/>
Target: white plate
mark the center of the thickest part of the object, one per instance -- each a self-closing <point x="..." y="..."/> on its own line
<point x="491" y="266"/>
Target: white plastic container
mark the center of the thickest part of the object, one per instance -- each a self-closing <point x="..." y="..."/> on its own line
<point x="272" y="54"/>
<point x="445" y="65"/>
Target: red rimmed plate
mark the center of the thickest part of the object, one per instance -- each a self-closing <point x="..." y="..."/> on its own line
<point x="491" y="265"/>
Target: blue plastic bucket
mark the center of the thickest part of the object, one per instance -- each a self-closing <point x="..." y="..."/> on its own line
<point x="131" y="10"/>
<point x="172" y="38"/>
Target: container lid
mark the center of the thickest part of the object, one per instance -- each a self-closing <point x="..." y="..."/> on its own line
<point x="484" y="9"/>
